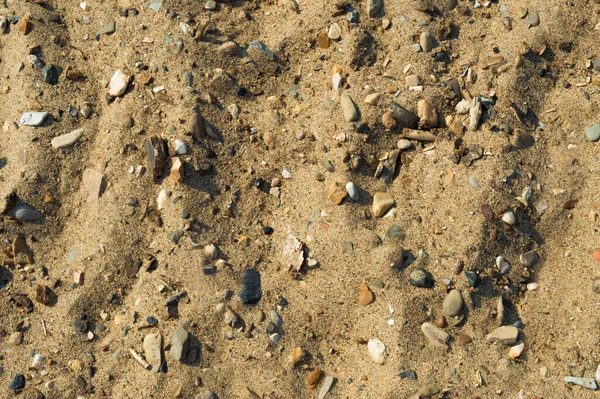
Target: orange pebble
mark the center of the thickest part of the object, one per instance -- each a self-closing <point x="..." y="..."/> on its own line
<point x="597" y="255"/>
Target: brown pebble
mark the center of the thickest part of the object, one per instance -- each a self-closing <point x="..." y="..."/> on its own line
<point x="41" y="294"/>
<point x="440" y="321"/>
<point x="365" y="295"/>
<point x="337" y="193"/>
<point x="570" y="204"/>
<point x="297" y="355"/>
<point x="463" y="339"/>
<point x="460" y="265"/>
<point x="323" y="40"/>
<point x="486" y="210"/>
<point x="388" y="121"/>
<point x="24" y="25"/>
<point x="313" y="378"/>
<point x="269" y="139"/>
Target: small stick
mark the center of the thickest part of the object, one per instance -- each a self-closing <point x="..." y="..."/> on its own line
<point x="139" y="359"/>
<point x="44" y="327"/>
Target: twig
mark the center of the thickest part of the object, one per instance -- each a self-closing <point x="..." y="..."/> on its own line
<point x="139" y="359"/>
<point x="44" y="327"/>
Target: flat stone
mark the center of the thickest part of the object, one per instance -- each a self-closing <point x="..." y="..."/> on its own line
<point x="176" y="235"/>
<point x="118" y="84"/>
<point x="435" y="335"/>
<point x="532" y="19"/>
<point x="251" y="291"/>
<point x="381" y="203"/>
<point x="276" y="319"/>
<point x="153" y="350"/>
<point x="25" y="213"/>
<point x="412" y="80"/>
<point x="33" y="118"/>
<point x="408" y="375"/>
<point x="50" y="74"/>
<point x="179" y="344"/>
<point x="334" y="32"/>
<point x="593" y="133"/>
<point x="326" y="387"/>
<point x="336" y="193"/>
<point x="67" y="139"/>
<point x="588" y="383"/>
<point x="403" y="116"/>
<point x="196" y="125"/>
<point x="376" y="350"/>
<point x="427" y="41"/>
<point x="15" y="338"/>
<point x="421" y="278"/>
<point x="94" y="183"/>
<point x="452" y="304"/>
<point x="258" y="47"/>
<point x="17" y="383"/>
<point x="349" y="109"/>
<point x="529" y="258"/>
<point x="374" y="8"/>
<point x="109" y="28"/>
<point x="505" y="334"/>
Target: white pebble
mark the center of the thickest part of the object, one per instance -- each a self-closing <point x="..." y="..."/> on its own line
<point x="118" y="84"/>
<point x="286" y="174"/>
<point x="163" y="196"/>
<point x="180" y="147"/>
<point x="532" y="286"/>
<point x="352" y="190"/>
<point x="376" y="350"/>
<point x="509" y="218"/>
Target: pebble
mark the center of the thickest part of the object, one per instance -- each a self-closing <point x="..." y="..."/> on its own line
<point x="337" y="193"/>
<point x="17" y="383"/>
<point x="381" y="203"/>
<point x="210" y="5"/>
<point x="521" y="11"/>
<point x="276" y="319"/>
<point x="259" y="47"/>
<point x="412" y="80"/>
<point x="153" y="350"/>
<point x="334" y="32"/>
<point x="376" y="350"/>
<point x="297" y="355"/>
<point x="516" y="351"/>
<point x="180" y="147"/>
<point x="286" y="174"/>
<point x="118" y="84"/>
<point x="326" y="387"/>
<point x="463" y="107"/>
<point x="408" y="375"/>
<point x="275" y="338"/>
<point x="429" y="391"/>
<point x="251" y="291"/>
<point x="352" y="191"/>
<point x="528" y="259"/>
<point x="426" y="41"/>
<point x="349" y="109"/>
<point x="440" y="321"/>
<point x="463" y="339"/>
<point x="588" y="383"/>
<point x="532" y="19"/>
<point x="388" y="121"/>
<point x="33" y="118"/>
<point x="421" y="278"/>
<point x="509" y="218"/>
<point x="313" y="378"/>
<point x="427" y="115"/>
<point x="206" y="395"/>
<point x="67" y="139"/>
<point x="3" y="24"/>
<point x="94" y="183"/>
<point x="25" y="213"/>
<point x="24" y="25"/>
<point x="109" y="28"/>
<point x="435" y="335"/>
<point x="372" y="99"/>
<point x="503" y="265"/>
<point x="505" y="334"/>
<point x="403" y="144"/>
<point x="15" y="338"/>
<point x="50" y="74"/>
<point x="179" y="344"/>
<point x="452" y="304"/>
<point x="593" y="132"/>
<point x="474" y="182"/>
<point x="365" y="296"/>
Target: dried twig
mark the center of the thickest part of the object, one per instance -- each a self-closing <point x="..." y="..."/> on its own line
<point x="139" y="359"/>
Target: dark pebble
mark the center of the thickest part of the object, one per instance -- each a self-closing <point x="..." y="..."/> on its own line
<point x="17" y="383"/>
<point x="151" y="320"/>
<point x="80" y="326"/>
<point x="176" y="236"/>
<point x="268" y="230"/>
<point x="251" y="291"/>
<point x="50" y="74"/>
<point x="421" y="278"/>
<point x="471" y="278"/>
<point x="408" y="375"/>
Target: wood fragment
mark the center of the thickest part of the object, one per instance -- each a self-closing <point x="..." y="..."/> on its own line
<point x="139" y="359"/>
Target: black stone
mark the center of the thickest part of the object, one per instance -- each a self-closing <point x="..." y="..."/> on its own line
<point x="471" y="278"/>
<point x="268" y="230"/>
<point x="251" y="291"/>
<point x="80" y="325"/>
<point x="17" y="383"/>
<point x="408" y="375"/>
<point x="421" y="278"/>
<point x="50" y="74"/>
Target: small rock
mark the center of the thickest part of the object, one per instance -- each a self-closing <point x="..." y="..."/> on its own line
<point x="503" y="265"/>
<point x="588" y="383"/>
<point x="427" y="114"/>
<point x="435" y="335"/>
<point x="210" y="5"/>
<point x="532" y="19"/>
<point x="372" y="99"/>
<point x="25" y="213"/>
<point x="429" y="391"/>
<point x="297" y="355"/>
<point x="365" y="296"/>
<point x="313" y="378"/>
<point x="24" y="25"/>
<point x="118" y="84"/>
<point x="348" y="108"/>
<point x="452" y="304"/>
<point x="440" y="321"/>
<point x="50" y="74"/>
<point x="374" y="8"/>
<point x="521" y="11"/>
<point x="17" y="383"/>
<point x="412" y="80"/>
<point x="352" y="190"/>
<point x="153" y="350"/>
<point x="463" y="339"/>
<point x="509" y="218"/>
<point x="109" y="28"/>
<point x="326" y="387"/>
<point x="196" y="124"/>
<point x="427" y="41"/>
<point x="33" y="118"/>
<point x="177" y="170"/>
<point x="228" y="48"/>
<point x="67" y="139"/>
<point x="593" y="133"/>
<point x="179" y="344"/>
<point x="381" y="203"/>
<point x="3" y="24"/>
<point x="257" y="47"/>
<point x="251" y="291"/>
<point x="276" y="319"/>
<point x="376" y="350"/>
<point x="421" y="278"/>
<point x="180" y="147"/>
<point x="337" y="193"/>
<point x="388" y="121"/>
<point x="528" y="259"/>
<point x="403" y="144"/>
<point x="408" y="375"/>
<point x="515" y="351"/>
<point x="463" y="107"/>
<point x="505" y="334"/>
<point x="334" y="32"/>
<point x="94" y="183"/>
<point x="15" y="338"/>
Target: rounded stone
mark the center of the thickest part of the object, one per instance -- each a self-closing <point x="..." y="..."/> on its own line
<point x="452" y="304"/>
<point x="210" y="5"/>
<point x="593" y="133"/>
<point x="421" y="278"/>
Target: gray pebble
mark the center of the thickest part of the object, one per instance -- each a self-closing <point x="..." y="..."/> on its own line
<point x="421" y="278"/>
<point x="179" y="344"/>
<point x="326" y="387"/>
<point x="277" y="320"/>
<point x="25" y="213"/>
<point x="502" y="264"/>
<point x="528" y="259"/>
<point x="593" y="133"/>
<point x="452" y="304"/>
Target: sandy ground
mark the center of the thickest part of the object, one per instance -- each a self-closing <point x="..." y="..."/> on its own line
<point x="435" y="204"/>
